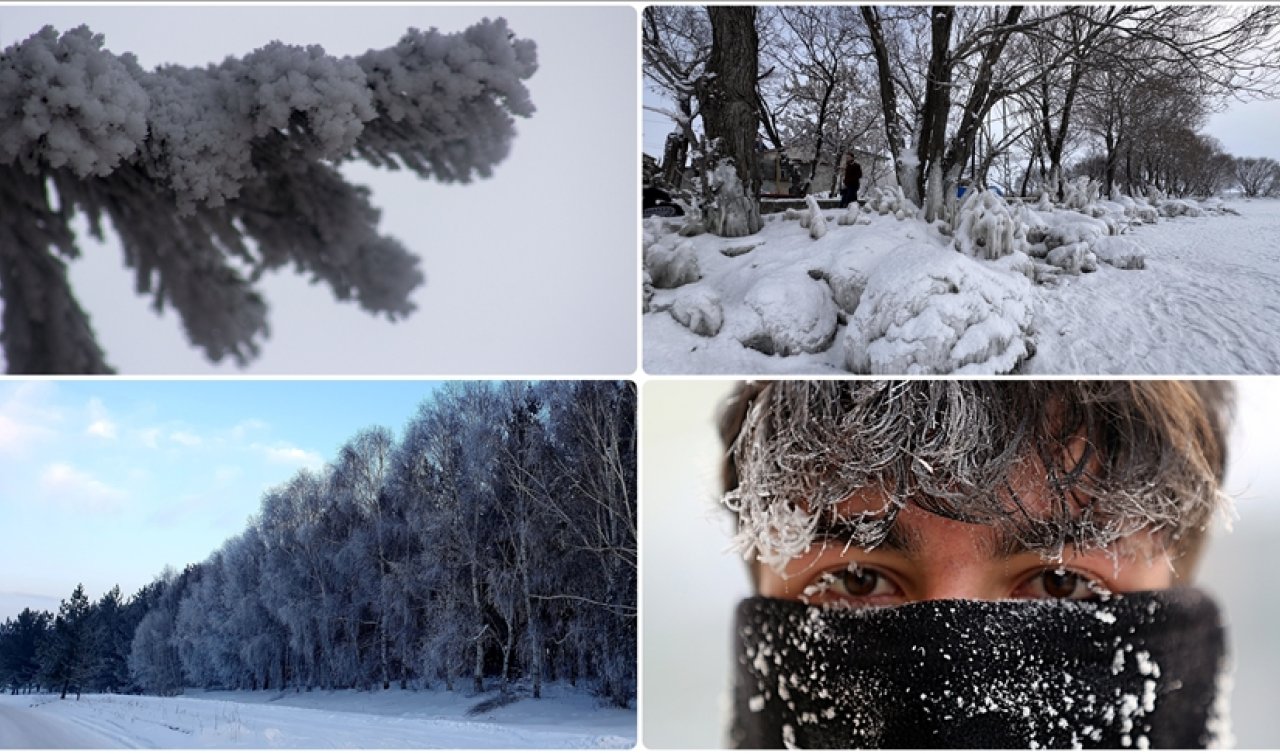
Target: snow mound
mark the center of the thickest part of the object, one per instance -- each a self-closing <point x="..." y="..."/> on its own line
<point x="792" y="315"/>
<point x="1124" y="253"/>
<point x="930" y="311"/>
<point x="847" y="278"/>
<point x="671" y="266"/>
<point x="698" y="308"/>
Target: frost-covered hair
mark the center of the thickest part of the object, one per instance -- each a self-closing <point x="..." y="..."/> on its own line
<point x="1119" y="457"/>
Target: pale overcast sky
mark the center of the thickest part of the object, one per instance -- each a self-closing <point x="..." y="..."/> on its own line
<point x="107" y="481"/>
<point x="530" y="272"/>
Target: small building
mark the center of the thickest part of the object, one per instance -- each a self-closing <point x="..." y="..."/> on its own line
<point x="784" y="173"/>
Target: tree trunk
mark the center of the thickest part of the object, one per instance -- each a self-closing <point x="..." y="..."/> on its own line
<point x="937" y="106"/>
<point x="731" y="119"/>
<point x="906" y="172"/>
<point x="477" y="674"/>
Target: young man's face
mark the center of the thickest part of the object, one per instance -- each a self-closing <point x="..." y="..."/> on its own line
<point x="929" y="557"/>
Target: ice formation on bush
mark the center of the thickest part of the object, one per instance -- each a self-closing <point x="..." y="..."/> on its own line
<point x="1179" y="208"/>
<point x="1072" y="258"/>
<point x="817" y="223"/>
<point x="1081" y="192"/>
<point x="890" y="201"/>
<point x="671" y="266"/>
<point x="791" y="315"/>
<point x="698" y="308"/>
<point x="986" y="228"/>
<point x="732" y="214"/>
<point x="851" y="214"/>
<point x="191" y="164"/>
<point x="929" y="311"/>
<point x="1124" y="253"/>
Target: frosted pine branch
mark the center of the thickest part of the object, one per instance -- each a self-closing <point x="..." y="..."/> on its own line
<point x="211" y="176"/>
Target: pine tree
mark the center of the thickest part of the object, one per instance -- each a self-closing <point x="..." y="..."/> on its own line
<point x="20" y="641"/>
<point x="213" y="175"/>
<point x="68" y="655"/>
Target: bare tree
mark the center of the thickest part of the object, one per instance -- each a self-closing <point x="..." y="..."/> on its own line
<point x="1257" y="176"/>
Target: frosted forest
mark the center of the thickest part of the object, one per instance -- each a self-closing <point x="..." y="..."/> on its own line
<point x="212" y="176"/>
<point x="490" y="548"/>
<point x="1040" y="191"/>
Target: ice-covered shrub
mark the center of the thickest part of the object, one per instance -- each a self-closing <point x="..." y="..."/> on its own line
<point x="671" y="265"/>
<point x="647" y="292"/>
<point x="1073" y="258"/>
<point x="929" y="311"/>
<point x="851" y="214"/>
<point x="731" y="213"/>
<point x="1066" y="228"/>
<point x="890" y="201"/>
<point x="1117" y="251"/>
<point x="986" y="228"/>
<point x="1044" y="204"/>
<point x="1179" y="208"/>
<point x="817" y="223"/>
<point x="1081" y="192"/>
<point x="698" y="308"/>
<point x="791" y="315"/>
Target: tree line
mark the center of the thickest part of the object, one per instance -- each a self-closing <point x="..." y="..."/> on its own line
<point x="951" y="93"/>
<point x="493" y="544"/>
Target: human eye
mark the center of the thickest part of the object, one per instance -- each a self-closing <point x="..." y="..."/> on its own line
<point x="851" y="584"/>
<point x="1059" y="584"/>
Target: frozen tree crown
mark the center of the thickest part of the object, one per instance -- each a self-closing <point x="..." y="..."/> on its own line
<point x="189" y="162"/>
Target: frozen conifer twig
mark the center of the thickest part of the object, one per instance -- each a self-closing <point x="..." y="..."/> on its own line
<point x="211" y="176"/>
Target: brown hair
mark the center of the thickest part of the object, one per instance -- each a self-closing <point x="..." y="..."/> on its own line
<point x="1119" y="457"/>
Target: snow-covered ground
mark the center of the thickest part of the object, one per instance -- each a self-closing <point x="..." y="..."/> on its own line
<point x="563" y="719"/>
<point x="1081" y="294"/>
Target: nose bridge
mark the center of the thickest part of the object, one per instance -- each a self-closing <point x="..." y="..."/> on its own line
<point x="960" y="579"/>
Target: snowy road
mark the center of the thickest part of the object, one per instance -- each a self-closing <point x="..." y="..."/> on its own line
<point x="269" y="720"/>
<point x="1207" y="303"/>
<point x="25" y="728"/>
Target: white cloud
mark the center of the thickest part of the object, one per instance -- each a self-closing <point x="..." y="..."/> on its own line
<point x="150" y="437"/>
<point x="100" y="424"/>
<point x="72" y="488"/>
<point x="183" y="437"/>
<point x="239" y="431"/>
<point x="226" y="474"/>
<point x="284" y="453"/>
<point x="25" y="416"/>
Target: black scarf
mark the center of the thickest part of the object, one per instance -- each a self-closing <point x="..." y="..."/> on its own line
<point x="1138" y="670"/>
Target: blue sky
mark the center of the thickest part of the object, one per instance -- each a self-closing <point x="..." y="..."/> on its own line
<point x="107" y="481"/>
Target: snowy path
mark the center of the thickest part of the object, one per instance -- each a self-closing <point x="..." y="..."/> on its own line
<point x="26" y="728"/>
<point x="1207" y="303"/>
<point x="406" y="721"/>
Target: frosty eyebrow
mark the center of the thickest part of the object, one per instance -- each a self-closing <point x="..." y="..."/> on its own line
<point x="906" y="539"/>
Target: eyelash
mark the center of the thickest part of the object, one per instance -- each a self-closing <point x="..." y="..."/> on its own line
<point x="829" y="583"/>
<point x="828" y="587"/>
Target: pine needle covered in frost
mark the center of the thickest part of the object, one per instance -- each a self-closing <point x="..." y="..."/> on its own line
<point x="197" y="168"/>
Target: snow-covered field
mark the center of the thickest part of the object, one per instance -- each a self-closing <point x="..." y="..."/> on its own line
<point x="563" y="719"/>
<point x="888" y="295"/>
